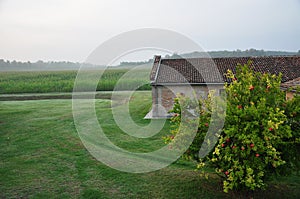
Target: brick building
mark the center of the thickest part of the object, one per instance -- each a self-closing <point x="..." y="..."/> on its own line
<point x="291" y="87"/>
<point x="198" y="75"/>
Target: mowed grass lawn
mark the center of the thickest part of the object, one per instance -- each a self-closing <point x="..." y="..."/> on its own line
<point x="41" y="156"/>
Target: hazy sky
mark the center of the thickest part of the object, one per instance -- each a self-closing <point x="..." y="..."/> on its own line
<point x="69" y="30"/>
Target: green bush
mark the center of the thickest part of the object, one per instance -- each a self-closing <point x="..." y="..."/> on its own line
<point x="291" y="146"/>
<point x="203" y="110"/>
<point x="259" y="125"/>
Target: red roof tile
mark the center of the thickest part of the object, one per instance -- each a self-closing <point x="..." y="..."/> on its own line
<point x="201" y="70"/>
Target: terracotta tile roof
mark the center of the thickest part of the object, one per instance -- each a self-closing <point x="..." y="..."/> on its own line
<point x="164" y="70"/>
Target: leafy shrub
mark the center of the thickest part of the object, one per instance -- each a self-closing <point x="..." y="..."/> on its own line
<point x="259" y="125"/>
<point x="203" y="110"/>
<point x="255" y="126"/>
<point x="291" y="146"/>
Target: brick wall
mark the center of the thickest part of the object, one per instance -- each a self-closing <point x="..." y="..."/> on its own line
<point x="167" y="98"/>
<point x="164" y="96"/>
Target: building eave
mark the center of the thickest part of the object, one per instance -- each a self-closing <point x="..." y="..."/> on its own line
<point x="157" y="71"/>
<point x="293" y="90"/>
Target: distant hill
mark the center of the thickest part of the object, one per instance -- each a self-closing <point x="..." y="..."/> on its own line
<point x="66" y="65"/>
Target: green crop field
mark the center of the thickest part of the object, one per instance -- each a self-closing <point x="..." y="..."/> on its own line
<point x="42" y="157"/>
<point x="63" y="81"/>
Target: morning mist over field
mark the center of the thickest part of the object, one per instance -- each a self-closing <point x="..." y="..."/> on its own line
<point x="54" y="30"/>
<point x="149" y="99"/>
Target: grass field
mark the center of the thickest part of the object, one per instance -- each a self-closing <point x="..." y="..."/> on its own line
<point x="42" y="157"/>
<point x="63" y="81"/>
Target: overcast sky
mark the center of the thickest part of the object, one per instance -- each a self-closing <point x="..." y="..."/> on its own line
<point x="70" y="30"/>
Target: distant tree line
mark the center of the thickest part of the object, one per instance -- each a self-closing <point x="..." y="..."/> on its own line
<point x="224" y="53"/>
<point x="128" y="63"/>
<point x="41" y="65"/>
<point x="236" y="53"/>
<point x="66" y="65"/>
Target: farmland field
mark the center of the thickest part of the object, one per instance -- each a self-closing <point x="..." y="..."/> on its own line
<point x="63" y="81"/>
<point x="42" y="157"/>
